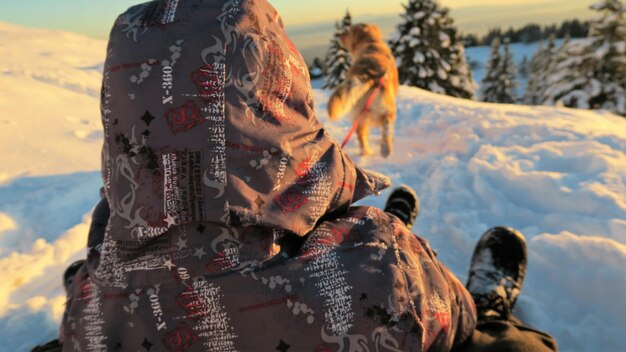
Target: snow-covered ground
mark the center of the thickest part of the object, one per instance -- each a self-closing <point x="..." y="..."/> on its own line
<point x="558" y="175"/>
<point x="50" y="139"/>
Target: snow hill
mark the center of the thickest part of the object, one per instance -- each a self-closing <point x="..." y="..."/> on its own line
<point x="558" y="175"/>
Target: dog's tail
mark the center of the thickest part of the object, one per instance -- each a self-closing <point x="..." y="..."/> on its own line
<point x="345" y="96"/>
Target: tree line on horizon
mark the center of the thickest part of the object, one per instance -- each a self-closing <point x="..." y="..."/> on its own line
<point x="530" y="33"/>
<point x="587" y="73"/>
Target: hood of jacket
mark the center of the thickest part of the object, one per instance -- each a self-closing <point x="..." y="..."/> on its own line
<point x="208" y="117"/>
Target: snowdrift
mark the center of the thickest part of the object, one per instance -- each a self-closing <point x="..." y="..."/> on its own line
<point x="49" y="91"/>
<point x="557" y="175"/>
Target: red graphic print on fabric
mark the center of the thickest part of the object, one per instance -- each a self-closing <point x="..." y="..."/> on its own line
<point x="133" y="65"/>
<point x="339" y="234"/>
<point x="180" y="339"/>
<point x="184" y="118"/>
<point x="290" y="201"/>
<point x="323" y="348"/>
<point x="219" y="263"/>
<point x="208" y="83"/>
<point x="346" y="235"/>
<point x="346" y="186"/>
<point x="85" y="288"/>
<point x="440" y="311"/>
<point x="303" y="168"/>
<point x="189" y="300"/>
<point x="291" y="45"/>
<point x="444" y="319"/>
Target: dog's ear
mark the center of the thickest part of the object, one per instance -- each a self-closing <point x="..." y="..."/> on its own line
<point x="355" y="35"/>
<point x="360" y="33"/>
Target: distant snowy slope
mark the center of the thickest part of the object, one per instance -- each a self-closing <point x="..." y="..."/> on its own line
<point x="558" y="175"/>
<point x="49" y="90"/>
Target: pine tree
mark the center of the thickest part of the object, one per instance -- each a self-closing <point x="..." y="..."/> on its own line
<point x="570" y="80"/>
<point x="429" y="53"/>
<point x="337" y="58"/>
<point x="591" y="73"/>
<point x="542" y="60"/>
<point x="508" y="76"/>
<point x="489" y="87"/>
<point x="534" y="77"/>
<point x="608" y="35"/>
<point x="524" y="67"/>
<point x="317" y="69"/>
<point x="499" y="83"/>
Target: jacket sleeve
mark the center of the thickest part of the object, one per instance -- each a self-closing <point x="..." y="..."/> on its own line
<point x="445" y="305"/>
<point x="466" y="317"/>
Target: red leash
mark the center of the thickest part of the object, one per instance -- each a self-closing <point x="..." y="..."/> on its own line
<point x="369" y="103"/>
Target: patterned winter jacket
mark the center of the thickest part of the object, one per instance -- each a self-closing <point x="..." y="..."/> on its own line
<point x="212" y="155"/>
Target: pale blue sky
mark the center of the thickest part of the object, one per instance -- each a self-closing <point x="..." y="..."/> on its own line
<point x="309" y="23"/>
<point x="94" y="17"/>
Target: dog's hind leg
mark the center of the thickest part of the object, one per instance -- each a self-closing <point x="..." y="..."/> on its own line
<point x="363" y="133"/>
<point x="386" y="144"/>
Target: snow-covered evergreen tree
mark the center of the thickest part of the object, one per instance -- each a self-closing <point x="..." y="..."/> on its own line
<point x="429" y="53"/>
<point x="508" y="74"/>
<point x="591" y="73"/>
<point x="608" y="35"/>
<point x="499" y="83"/>
<point x="337" y="60"/>
<point x="489" y="84"/>
<point x="570" y="80"/>
<point x="542" y="60"/>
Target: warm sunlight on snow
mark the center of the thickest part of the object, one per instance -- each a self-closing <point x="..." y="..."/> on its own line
<point x="558" y="175"/>
<point x="49" y="91"/>
<point x="6" y="223"/>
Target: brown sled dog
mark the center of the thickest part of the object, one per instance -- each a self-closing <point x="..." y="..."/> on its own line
<point x="371" y="60"/>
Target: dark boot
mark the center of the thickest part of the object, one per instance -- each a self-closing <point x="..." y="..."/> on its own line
<point x="70" y="273"/>
<point x="497" y="273"/>
<point x="404" y="204"/>
<point x="52" y="346"/>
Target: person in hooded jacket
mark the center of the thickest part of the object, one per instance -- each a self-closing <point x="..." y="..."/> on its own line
<point x="226" y="223"/>
<point x="212" y="157"/>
